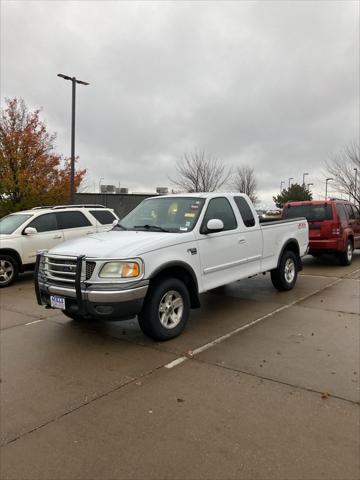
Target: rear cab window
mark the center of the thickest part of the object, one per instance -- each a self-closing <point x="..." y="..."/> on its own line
<point x="104" y="217"/>
<point x="245" y="211"/>
<point x="312" y="213"/>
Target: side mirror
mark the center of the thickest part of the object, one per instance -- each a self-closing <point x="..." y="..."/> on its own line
<point x="214" y="225"/>
<point x="30" y="231"/>
<point x="115" y="222"/>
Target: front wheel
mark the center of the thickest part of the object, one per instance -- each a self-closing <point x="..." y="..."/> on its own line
<point x="166" y="309"/>
<point x="346" y="256"/>
<point x="284" y="277"/>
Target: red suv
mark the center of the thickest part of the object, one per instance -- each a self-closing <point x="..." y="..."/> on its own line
<point x="334" y="226"/>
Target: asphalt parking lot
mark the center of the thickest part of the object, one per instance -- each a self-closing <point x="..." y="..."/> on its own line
<point x="261" y="385"/>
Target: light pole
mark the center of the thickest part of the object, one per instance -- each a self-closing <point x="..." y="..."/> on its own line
<point x="281" y="185"/>
<point x="291" y="178"/>
<point x="304" y="174"/>
<point x="326" y="184"/>
<point x="101" y="178"/>
<point x="74" y="81"/>
<point x="355" y="186"/>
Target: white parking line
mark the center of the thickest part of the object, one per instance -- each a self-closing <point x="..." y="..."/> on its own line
<point x="218" y="340"/>
<point x="35" y="321"/>
<point x="175" y="362"/>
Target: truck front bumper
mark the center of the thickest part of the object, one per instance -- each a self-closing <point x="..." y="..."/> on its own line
<point x="105" y="301"/>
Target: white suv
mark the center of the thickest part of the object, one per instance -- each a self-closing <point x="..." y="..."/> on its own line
<point x="22" y="234"/>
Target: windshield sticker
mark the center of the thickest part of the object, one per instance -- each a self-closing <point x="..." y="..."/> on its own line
<point x="188" y="224"/>
<point x="183" y="229"/>
<point x="189" y="214"/>
<point x="194" y="207"/>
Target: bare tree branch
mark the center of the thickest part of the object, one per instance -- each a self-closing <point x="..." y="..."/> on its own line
<point x="245" y="182"/>
<point x="342" y="167"/>
<point x="198" y="172"/>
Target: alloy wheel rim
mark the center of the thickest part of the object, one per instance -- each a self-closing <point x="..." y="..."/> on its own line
<point x="6" y="271"/>
<point x="171" y="309"/>
<point x="289" y="270"/>
<point x="349" y="251"/>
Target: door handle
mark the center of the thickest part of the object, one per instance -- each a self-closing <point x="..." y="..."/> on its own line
<point x="89" y="233"/>
<point x="57" y="237"/>
<point x="242" y="240"/>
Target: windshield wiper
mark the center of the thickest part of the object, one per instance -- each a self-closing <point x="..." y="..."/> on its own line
<point x="152" y="227"/>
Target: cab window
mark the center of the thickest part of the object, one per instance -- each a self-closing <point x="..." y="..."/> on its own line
<point x="221" y="209"/>
<point x="44" y="223"/>
<point x="72" y="220"/>
<point x="350" y="211"/>
<point x="103" y="216"/>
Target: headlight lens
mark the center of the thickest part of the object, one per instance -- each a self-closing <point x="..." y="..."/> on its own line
<point x="120" y="270"/>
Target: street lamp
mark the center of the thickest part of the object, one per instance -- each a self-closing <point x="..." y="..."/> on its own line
<point x="74" y="81"/>
<point x="326" y="186"/>
<point x="291" y="178"/>
<point x="281" y="185"/>
<point x="304" y="174"/>
<point x="355" y="187"/>
<point x="101" y="178"/>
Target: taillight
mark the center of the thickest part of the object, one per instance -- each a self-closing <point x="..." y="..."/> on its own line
<point x="335" y="229"/>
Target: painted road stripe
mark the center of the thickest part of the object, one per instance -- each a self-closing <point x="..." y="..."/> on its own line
<point x="176" y="362"/>
<point x="35" y="321"/>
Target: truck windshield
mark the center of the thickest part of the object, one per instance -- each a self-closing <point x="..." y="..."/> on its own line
<point x="10" y="223"/>
<point x="167" y="214"/>
<point x="312" y="213"/>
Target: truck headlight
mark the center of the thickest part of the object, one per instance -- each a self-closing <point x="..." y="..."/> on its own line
<point x="120" y="270"/>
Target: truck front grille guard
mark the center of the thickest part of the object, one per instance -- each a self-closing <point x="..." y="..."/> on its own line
<point x="78" y="280"/>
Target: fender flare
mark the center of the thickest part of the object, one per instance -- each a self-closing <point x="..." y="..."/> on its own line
<point x="291" y="242"/>
<point x="195" y="300"/>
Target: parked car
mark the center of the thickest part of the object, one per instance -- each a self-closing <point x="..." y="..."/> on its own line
<point x="163" y="254"/>
<point x="23" y="233"/>
<point x="334" y="226"/>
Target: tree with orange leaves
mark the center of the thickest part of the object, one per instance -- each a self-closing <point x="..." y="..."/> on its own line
<point x="31" y="173"/>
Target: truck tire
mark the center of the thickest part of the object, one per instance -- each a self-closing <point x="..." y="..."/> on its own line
<point x="9" y="270"/>
<point x="166" y="309"/>
<point x="284" y="277"/>
<point x="346" y="256"/>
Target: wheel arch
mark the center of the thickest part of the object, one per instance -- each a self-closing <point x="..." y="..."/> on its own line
<point x="291" y="245"/>
<point x="182" y="271"/>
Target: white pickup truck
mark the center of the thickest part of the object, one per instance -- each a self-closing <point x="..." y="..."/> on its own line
<point x="157" y="260"/>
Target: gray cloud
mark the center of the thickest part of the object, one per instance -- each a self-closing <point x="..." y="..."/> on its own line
<point x="272" y="84"/>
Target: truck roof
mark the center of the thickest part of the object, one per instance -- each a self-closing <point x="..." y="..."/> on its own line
<point x="204" y="194"/>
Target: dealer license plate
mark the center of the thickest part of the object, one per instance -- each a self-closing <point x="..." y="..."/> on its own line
<point x="57" y="302"/>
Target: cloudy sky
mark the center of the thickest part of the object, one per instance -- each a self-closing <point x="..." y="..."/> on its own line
<point x="271" y="84"/>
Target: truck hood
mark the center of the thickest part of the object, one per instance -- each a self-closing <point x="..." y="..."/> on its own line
<point x="118" y="244"/>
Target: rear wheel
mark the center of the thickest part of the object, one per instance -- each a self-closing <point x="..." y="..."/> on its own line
<point x="346" y="256"/>
<point x="166" y="309"/>
<point x="284" y="277"/>
<point x="9" y="270"/>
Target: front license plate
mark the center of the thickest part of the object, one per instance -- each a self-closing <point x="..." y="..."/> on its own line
<point x="57" y="302"/>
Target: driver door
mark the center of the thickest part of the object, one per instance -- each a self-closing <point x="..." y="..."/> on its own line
<point x="219" y="252"/>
